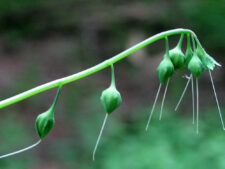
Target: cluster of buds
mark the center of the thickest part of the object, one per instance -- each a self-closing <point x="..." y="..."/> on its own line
<point x="195" y="59"/>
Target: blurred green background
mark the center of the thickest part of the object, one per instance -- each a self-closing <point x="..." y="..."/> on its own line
<point x="44" y="40"/>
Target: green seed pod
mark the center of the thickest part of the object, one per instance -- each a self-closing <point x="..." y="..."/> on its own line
<point x="177" y="56"/>
<point x="45" y="121"/>
<point x="195" y="66"/>
<point x="165" y="69"/>
<point x="111" y="98"/>
<point x="189" y="53"/>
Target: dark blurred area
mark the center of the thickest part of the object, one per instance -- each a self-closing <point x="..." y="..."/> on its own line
<point x="43" y="40"/>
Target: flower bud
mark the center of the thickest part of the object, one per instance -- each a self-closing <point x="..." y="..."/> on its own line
<point x="110" y="99"/>
<point x="177" y="56"/>
<point x="207" y="61"/>
<point x="165" y="69"/>
<point x="44" y="123"/>
<point x="195" y="66"/>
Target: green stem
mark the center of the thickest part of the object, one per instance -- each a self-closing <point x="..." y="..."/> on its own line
<point x="179" y="45"/>
<point x="113" y="83"/>
<point x="92" y="70"/>
<point x="56" y="99"/>
<point x="167" y="47"/>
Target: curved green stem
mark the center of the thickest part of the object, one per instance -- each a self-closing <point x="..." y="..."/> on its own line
<point x="92" y="70"/>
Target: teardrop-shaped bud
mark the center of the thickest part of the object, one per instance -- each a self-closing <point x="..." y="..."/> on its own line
<point x="110" y="99"/>
<point x="165" y="69"/>
<point x="45" y="121"/>
<point x="189" y="53"/>
<point x="177" y="56"/>
<point x="195" y="66"/>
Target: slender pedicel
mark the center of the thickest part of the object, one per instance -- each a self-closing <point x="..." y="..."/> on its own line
<point x="185" y="89"/>
<point x="153" y="107"/>
<point x="20" y="151"/>
<point x="193" y="100"/>
<point x="163" y="100"/>
<point x="217" y="102"/>
<point x="197" y="104"/>
<point x="99" y="136"/>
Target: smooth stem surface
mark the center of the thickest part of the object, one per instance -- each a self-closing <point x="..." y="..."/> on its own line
<point x="185" y="89"/>
<point x="92" y="70"/>
<point x="193" y="100"/>
<point x="153" y="107"/>
<point x="20" y="151"/>
<point x="163" y="100"/>
<point x="197" y="106"/>
<point x="99" y="137"/>
<point x="217" y="102"/>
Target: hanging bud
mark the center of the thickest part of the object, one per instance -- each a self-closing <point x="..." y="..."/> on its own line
<point x="177" y="56"/>
<point x="195" y="66"/>
<point x="189" y="53"/>
<point x="165" y="69"/>
<point x="207" y="61"/>
<point x="111" y="98"/>
<point x="45" y="121"/>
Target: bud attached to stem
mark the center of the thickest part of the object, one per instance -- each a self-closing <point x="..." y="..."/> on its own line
<point x="45" y="121"/>
<point x="165" y="68"/>
<point x="177" y="56"/>
<point x="111" y="98"/>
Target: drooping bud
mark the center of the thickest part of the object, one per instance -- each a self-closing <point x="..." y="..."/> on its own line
<point x="45" y="121"/>
<point x="111" y="98"/>
<point x="195" y="66"/>
<point x="207" y="60"/>
<point x="189" y="53"/>
<point x="177" y="56"/>
<point x="165" y="69"/>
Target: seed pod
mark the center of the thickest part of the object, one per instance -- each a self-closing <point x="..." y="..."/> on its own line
<point x="165" y="69"/>
<point x="195" y="66"/>
<point x="45" y="121"/>
<point x="177" y="56"/>
<point x="111" y="98"/>
<point x="189" y="53"/>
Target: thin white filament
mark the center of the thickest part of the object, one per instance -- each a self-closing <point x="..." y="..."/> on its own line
<point x="217" y="102"/>
<point x="153" y="107"/>
<point x="197" y="105"/>
<point x="20" y="151"/>
<point x="193" y="100"/>
<point x="163" y="100"/>
<point x="185" y="89"/>
<point x="99" y="136"/>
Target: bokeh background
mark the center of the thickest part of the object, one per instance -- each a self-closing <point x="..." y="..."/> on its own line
<point x="44" y="40"/>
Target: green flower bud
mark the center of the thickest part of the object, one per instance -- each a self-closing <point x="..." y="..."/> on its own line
<point x="45" y="121"/>
<point x="207" y="61"/>
<point x="177" y="56"/>
<point x="111" y="98"/>
<point x="165" y="69"/>
<point x="195" y="66"/>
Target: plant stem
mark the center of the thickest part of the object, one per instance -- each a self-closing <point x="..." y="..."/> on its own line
<point x="92" y="70"/>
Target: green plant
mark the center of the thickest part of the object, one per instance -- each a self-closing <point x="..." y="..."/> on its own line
<point x="195" y="59"/>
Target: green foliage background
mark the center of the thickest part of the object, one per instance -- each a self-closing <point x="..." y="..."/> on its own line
<point x="44" y="40"/>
